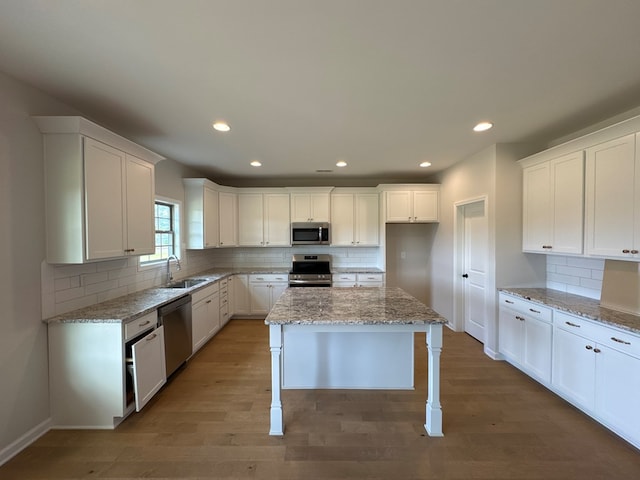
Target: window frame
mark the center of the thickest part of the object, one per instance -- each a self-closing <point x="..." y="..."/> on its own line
<point x="176" y="226"/>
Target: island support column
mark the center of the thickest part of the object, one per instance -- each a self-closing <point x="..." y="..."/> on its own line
<point x="275" y="344"/>
<point x="433" y="408"/>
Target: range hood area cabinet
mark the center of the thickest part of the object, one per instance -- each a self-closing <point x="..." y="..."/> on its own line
<point x="558" y="213"/>
<point x="411" y="203"/>
<point x="99" y="192"/>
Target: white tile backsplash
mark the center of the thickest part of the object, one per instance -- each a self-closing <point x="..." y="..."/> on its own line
<point x="69" y="287"/>
<point x="581" y="276"/>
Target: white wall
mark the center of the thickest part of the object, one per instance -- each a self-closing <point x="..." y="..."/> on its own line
<point x="494" y="175"/>
<point x="24" y="401"/>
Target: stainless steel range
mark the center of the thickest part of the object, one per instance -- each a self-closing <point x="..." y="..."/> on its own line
<point x="310" y="271"/>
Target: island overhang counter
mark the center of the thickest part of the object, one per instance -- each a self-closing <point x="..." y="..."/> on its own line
<point x="351" y="338"/>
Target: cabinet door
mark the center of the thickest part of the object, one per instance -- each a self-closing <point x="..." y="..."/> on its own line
<point x="228" y="210"/>
<point x="610" y="188"/>
<point x="367" y="219"/>
<point x="510" y="334"/>
<point x="343" y="219"/>
<point x="277" y="231"/>
<point x="241" y="294"/>
<point x="104" y="196"/>
<point x="250" y="220"/>
<point x="618" y="390"/>
<point x="277" y="289"/>
<point x="210" y="218"/>
<point x="319" y="207"/>
<point x="574" y="367"/>
<point x="199" y="323"/>
<point x="149" y="374"/>
<point x="536" y="357"/>
<point x="398" y="207"/>
<point x="140" y="207"/>
<point x="567" y="200"/>
<point x="260" y="298"/>
<point x="300" y="207"/>
<point x="213" y="313"/>
<point x="425" y="206"/>
<point x="536" y="213"/>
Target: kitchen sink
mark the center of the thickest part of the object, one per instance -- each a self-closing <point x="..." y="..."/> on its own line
<point x="186" y="283"/>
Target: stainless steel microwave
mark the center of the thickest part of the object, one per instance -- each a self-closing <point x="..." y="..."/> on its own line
<point x="310" y="233"/>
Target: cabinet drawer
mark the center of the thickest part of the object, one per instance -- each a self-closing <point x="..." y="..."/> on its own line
<point x="269" y="277"/>
<point x="370" y="277"/>
<point x="621" y="341"/>
<point x="204" y="292"/>
<point x="139" y="325"/>
<point x="525" y="307"/>
<point x="577" y="325"/>
<point x="343" y="277"/>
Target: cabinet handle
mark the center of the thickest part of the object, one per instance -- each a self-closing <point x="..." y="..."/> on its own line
<point x="626" y="251"/>
<point x="596" y="350"/>
<point x="415" y="218"/>
<point x="534" y="311"/>
<point x="588" y="347"/>
<point x="634" y="251"/>
<point x="508" y="301"/>
<point x="620" y="341"/>
<point x="151" y="337"/>
<point x="144" y="323"/>
<point x="208" y="301"/>
<point x="547" y="247"/>
<point x="520" y="318"/>
<point x="572" y="324"/>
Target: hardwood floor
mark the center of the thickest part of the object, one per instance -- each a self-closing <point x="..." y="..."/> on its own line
<point x="212" y="421"/>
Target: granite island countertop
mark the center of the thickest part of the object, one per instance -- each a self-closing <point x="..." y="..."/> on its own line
<point x="350" y="306"/>
<point x="578" y="305"/>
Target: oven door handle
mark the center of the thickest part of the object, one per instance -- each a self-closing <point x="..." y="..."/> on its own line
<point x="309" y="282"/>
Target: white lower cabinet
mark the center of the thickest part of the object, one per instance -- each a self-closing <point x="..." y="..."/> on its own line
<point x="264" y="291"/>
<point x="101" y="372"/>
<point x="205" y="315"/>
<point x="241" y="303"/>
<point x="349" y="280"/>
<point x="525" y="333"/>
<point x="596" y="368"/>
<point x="225" y="295"/>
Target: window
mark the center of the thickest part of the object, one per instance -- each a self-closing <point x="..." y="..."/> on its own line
<point x="167" y="232"/>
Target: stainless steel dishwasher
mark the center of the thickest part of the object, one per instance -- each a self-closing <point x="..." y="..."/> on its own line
<point x="176" y="319"/>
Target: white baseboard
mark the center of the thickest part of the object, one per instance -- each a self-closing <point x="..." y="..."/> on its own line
<point x="24" y="441"/>
<point x="492" y="354"/>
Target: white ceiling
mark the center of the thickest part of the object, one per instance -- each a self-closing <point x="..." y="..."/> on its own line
<point x="382" y="84"/>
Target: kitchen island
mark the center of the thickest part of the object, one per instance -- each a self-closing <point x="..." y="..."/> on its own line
<point x="351" y="338"/>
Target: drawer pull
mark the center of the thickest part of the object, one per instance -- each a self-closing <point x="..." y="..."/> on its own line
<point x="508" y="301"/>
<point x="534" y="311"/>
<point x="208" y="301"/>
<point x="626" y="251"/>
<point x="620" y="341"/>
<point x="572" y="324"/>
<point x="144" y="323"/>
<point x="520" y="318"/>
<point x="634" y="251"/>
<point x="596" y="350"/>
<point x="151" y="337"/>
<point x="588" y="347"/>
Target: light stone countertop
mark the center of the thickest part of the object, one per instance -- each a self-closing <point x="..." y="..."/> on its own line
<point x="350" y="306"/>
<point x="578" y="305"/>
<point x="356" y="270"/>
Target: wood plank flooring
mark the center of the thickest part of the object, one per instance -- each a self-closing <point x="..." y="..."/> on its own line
<point x="212" y="421"/>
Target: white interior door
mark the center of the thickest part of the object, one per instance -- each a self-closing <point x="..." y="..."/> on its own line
<point x="475" y="269"/>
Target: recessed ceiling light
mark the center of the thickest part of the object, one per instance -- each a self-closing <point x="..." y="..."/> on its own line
<point x="221" y="126"/>
<point x="341" y="163"/>
<point x="256" y="163"/>
<point x="425" y="164"/>
<point x="482" y="126"/>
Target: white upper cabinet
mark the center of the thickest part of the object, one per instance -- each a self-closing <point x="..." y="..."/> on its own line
<point x="613" y="199"/>
<point x="553" y="206"/>
<point x="228" y="208"/>
<point x="201" y="200"/>
<point x="411" y="203"/>
<point x="263" y="219"/>
<point x="355" y="218"/>
<point x="99" y="192"/>
<point x="310" y="205"/>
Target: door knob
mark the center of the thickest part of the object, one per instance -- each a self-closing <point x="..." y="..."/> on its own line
<point x="465" y="275"/>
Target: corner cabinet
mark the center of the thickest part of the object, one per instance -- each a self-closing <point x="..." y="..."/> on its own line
<point x="553" y="197"/>
<point x="355" y="218"/>
<point x="406" y="203"/>
<point x="99" y="192"/>
<point x="613" y="199"/>
<point x="201" y="200"/>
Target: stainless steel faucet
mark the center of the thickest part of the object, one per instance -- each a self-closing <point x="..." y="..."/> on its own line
<point x="169" y="275"/>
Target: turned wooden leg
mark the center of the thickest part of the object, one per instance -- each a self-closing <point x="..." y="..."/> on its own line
<point x="275" y="344"/>
<point x="433" y="409"/>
